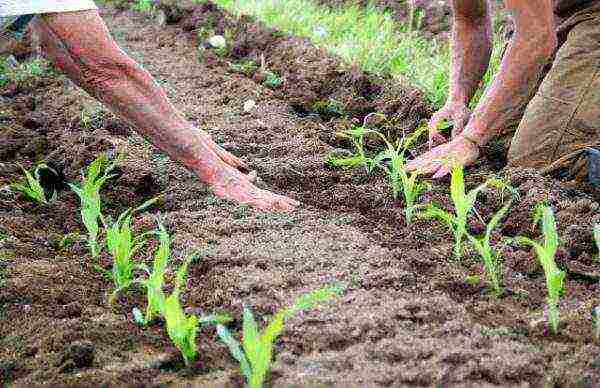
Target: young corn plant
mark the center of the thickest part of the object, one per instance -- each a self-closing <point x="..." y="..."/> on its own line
<point x="491" y="259"/>
<point x="463" y="205"/>
<point x="183" y="329"/>
<point x="88" y="192"/>
<point x="32" y="188"/>
<point x="256" y="351"/>
<point x="401" y="182"/>
<point x="356" y="136"/>
<point x="546" y="252"/>
<point x="597" y="239"/>
<point x="156" y="279"/>
<point x="123" y="245"/>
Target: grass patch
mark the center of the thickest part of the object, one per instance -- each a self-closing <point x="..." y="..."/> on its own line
<point x="367" y="37"/>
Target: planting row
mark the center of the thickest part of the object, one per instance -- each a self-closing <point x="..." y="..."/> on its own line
<point x="392" y="160"/>
<point x="255" y="352"/>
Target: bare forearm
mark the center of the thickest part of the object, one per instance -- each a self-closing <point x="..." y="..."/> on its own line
<point x="531" y="49"/>
<point x="471" y="51"/>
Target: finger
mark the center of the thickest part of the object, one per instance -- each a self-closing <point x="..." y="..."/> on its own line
<point x="229" y="158"/>
<point x="442" y="172"/>
<point x="425" y="167"/>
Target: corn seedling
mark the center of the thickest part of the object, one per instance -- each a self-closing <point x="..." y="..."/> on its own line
<point x="156" y="279"/>
<point x="463" y="205"/>
<point x="256" y="351"/>
<point x="122" y="245"/>
<point x="32" y="188"/>
<point x="400" y="180"/>
<point x="491" y="259"/>
<point x="597" y="239"/>
<point x="272" y="80"/>
<point x="182" y="329"/>
<point x="545" y="253"/>
<point x="356" y="136"/>
<point x="596" y="321"/>
<point x="88" y="192"/>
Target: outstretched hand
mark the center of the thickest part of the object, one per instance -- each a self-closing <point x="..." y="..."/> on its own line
<point x="440" y="159"/>
<point x="221" y="171"/>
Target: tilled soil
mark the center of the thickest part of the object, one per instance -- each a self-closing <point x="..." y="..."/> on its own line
<point x="408" y="315"/>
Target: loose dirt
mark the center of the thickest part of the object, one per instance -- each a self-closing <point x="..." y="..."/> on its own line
<point x="408" y="316"/>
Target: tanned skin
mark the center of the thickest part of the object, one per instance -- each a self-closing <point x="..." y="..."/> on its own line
<point x="532" y="46"/>
<point x="79" y="44"/>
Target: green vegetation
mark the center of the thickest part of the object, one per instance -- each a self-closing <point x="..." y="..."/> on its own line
<point x="545" y="253"/>
<point x="145" y="6"/>
<point x="182" y="329"/>
<point x="597" y="239"/>
<point x="367" y="37"/>
<point x="19" y="72"/>
<point x="356" y="136"/>
<point x="400" y="180"/>
<point x="463" y="206"/>
<point x="155" y="282"/>
<point x="122" y="245"/>
<point x="491" y="259"/>
<point x="89" y="194"/>
<point x="256" y="351"/>
<point x="32" y="188"/>
<point x="272" y="80"/>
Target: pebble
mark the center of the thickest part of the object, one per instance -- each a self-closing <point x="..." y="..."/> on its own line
<point x="217" y="41"/>
<point x="249" y="105"/>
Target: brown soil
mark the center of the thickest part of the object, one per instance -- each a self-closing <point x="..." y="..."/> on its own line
<point x="408" y="316"/>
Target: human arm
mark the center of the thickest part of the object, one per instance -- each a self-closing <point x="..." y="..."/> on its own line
<point x="531" y="48"/>
<point x="471" y="52"/>
<point x="79" y="44"/>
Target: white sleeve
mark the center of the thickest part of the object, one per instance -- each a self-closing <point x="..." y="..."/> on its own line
<point x="26" y="7"/>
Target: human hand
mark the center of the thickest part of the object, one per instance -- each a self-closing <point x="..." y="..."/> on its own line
<point x="439" y="160"/>
<point x="224" y="173"/>
<point x="457" y="112"/>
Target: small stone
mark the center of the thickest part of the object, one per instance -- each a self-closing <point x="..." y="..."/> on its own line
<point x="249" y="105"/>
<point x="217" y="41"/>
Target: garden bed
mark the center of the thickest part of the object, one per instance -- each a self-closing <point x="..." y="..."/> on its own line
<point x="408" y="316"/>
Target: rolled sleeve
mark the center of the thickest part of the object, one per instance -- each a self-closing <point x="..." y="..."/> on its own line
<point x="27" y="7"/>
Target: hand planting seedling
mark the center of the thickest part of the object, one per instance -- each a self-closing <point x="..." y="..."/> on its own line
<point x="463" y="205"/>
<point x="256" y="351"/>
<point x="32" y="188"/>
<point x="490" y="258"/>
<point x="89" y="195"/>
<point x="545" y="253"/>
<point x="360" y="158"/>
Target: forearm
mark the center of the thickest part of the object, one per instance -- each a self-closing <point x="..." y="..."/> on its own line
<point x="101" y="68"/>
<point x="533" y="45"/>
<point x="471" y="50"/>
<point x="511" y="89"/>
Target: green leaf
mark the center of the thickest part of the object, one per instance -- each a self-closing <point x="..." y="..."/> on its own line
<point x="251" y="342"/>
<point x="235" y="350"/>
